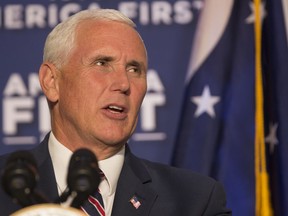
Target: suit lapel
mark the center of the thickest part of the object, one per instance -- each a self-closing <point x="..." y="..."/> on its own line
<point x="134" y="180"/>
<point x="47" y="182"/>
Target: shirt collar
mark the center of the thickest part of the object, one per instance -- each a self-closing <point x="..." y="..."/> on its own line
<point x="60" y="156"/>
<point x="111" y="167"/>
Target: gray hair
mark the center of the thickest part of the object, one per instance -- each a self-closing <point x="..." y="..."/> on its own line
<point x="60" y="41"/>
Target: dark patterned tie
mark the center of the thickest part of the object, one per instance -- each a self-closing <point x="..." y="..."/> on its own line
<point x="94" y="206"/>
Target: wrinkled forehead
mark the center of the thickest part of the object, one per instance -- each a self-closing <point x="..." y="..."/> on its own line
<point x="106" y="32"/>
<point x="105" y="26"/>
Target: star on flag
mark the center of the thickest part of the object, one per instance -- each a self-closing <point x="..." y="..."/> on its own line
<point x="251" y="18"/>
<point x="271" y="139"/>
<point x="205" y="103"/>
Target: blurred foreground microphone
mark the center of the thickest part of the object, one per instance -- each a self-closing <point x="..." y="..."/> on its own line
<point x="19" y="178"/>
<point x="83" y="177"/>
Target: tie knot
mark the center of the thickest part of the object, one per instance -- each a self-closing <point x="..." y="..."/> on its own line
<point x="101" y="174"/>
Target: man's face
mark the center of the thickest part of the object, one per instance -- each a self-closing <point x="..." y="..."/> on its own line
<point x="103" y="83"/>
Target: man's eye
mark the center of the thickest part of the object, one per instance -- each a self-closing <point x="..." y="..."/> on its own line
<point x="134" y="70"/>
<point x="100" y="63"/>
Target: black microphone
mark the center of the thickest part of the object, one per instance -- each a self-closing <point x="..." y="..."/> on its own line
<point x="83" y="177"/>
<point x="19" y="177"/>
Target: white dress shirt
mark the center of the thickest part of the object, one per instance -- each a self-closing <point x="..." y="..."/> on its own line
<point x="111" y="167"/>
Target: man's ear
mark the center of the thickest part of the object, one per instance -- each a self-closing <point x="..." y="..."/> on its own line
<point x="48" y="77"/>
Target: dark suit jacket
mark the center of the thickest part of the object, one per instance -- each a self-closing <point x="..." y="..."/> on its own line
<point x="161" y="190"/>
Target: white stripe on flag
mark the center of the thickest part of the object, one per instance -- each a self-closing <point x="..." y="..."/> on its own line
<point x="212" y="23"/>
<point x="285" y="13"/>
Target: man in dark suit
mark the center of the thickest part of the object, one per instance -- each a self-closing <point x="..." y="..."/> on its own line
<point x="94" y="78"/>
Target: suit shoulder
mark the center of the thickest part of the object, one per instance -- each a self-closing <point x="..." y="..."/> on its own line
<point x="178" y="175"/>
<point x="184" y="187"/>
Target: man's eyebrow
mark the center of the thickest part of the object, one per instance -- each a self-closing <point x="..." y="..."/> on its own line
<point x="136" y="63"/>
<point x="109" y="58"/>
<point x="102" y="57"/>
<point x="92" y="59"/>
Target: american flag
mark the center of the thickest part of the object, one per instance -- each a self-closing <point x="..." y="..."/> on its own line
<point x="217" y="128"/>
<point x="135" y="202"/>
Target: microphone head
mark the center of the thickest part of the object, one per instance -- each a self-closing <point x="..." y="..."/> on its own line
<point x="83" y="173"/>
<point x="19" y="177"/>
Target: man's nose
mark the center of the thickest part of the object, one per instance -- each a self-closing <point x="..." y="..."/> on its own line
<point x="121" y="81"/>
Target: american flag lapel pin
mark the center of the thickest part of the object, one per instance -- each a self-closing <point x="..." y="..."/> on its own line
<point x="135" y="202"/>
